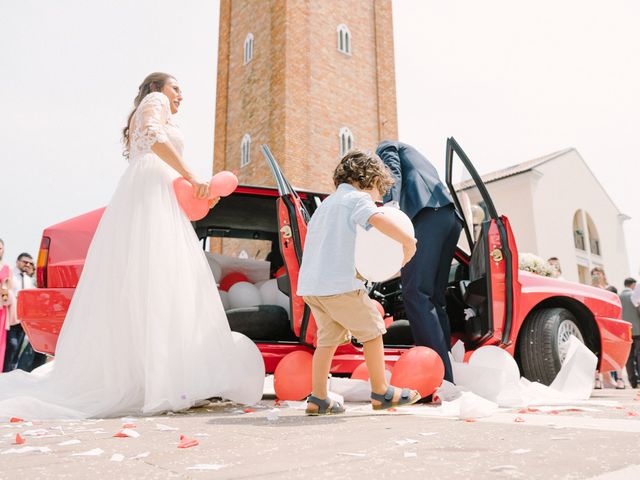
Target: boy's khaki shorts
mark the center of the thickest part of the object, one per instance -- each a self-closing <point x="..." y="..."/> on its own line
<point x="337" y="315"/>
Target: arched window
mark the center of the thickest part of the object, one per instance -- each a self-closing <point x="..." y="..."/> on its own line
<point x="248" y="48"/>
<point x="587" y="243"/>
<point x="245" y="150"/>
<point x="344" y="39"/>
<point x="594" y="238"/>
<point x="346" y="140"/>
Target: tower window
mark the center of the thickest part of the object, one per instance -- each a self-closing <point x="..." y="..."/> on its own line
<point x="248" y="48"/>
<point x="344" y="39"/>
<point x="245" y="150"/>
<point x="346" y="140"/>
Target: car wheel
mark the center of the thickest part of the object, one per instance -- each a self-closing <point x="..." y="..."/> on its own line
<point x="544" y="343"/>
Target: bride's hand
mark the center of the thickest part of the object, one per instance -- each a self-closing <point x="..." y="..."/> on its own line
<point x="200" y="189"/>
<point x="213" y="202"/>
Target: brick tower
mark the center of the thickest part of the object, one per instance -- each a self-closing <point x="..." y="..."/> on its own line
<point x="310" y="78"/>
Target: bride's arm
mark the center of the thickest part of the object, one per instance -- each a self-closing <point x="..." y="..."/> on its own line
<point x="153" y="113"/>
<point x="169" y="155"/>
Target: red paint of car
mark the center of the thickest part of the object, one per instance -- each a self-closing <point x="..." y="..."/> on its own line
<point x="512" y="300"/>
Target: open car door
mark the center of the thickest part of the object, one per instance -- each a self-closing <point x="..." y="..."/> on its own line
<point x="292" y="222"/>
<point x="489" y="240"/>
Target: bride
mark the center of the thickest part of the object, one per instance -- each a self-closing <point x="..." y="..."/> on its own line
<point x="146" y="331"/>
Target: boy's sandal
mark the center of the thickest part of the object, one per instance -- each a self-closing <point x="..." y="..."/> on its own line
<point x="386" y="400"/>
<point x="325" y="407"/>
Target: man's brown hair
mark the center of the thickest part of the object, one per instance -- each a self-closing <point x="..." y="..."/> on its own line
<point x="365" y="170"/>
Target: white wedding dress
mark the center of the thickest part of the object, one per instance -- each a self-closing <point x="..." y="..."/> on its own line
<point x="146" y="331"/>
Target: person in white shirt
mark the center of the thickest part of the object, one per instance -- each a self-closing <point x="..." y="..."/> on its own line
<point x="16" y="347"/>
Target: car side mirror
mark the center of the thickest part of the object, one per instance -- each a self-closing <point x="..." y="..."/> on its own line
<point x="284" y="285"/>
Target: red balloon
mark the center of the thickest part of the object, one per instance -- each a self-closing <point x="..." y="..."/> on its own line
<point x="361" y="372"/>
<point x="419" y="368"/>
<point x="195" y="208"/>
<point x="292" y="377"/>
<point x="222" y="184"/>
<point x="231" y="279"/>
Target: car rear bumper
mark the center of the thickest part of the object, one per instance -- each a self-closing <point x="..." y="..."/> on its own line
<point x="41" y="312"/>
<point x="615" y="343"/>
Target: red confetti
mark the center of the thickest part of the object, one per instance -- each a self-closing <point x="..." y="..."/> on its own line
<point x="19" y="439"/>
<point x="187" y="442"/>
<point x="554" y="412"/>
<point x="15" y="420"/>
<point x="248" y="410"/>
<point x="391" y="410"/>
<point x="469" y="420"/>
<point x="518" y="420"/>
<point x="632" y="414"/>
<point x="129" y="425"/>
<point x="121" y="435"/>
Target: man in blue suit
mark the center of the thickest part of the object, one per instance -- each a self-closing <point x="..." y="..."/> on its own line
<point x="420" y="194"/>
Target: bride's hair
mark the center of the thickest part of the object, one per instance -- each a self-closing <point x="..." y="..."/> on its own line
<point x="152" y="83"/>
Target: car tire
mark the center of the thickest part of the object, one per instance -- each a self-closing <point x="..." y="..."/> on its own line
<point x="543" y="343"/>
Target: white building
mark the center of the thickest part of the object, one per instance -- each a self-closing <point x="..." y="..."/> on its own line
<point x="558" y="208"/>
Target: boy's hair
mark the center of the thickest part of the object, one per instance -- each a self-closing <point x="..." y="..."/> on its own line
<point x="365" y="170"/>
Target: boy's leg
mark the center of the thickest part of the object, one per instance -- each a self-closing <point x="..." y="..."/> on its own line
<point x="320" y="371"/>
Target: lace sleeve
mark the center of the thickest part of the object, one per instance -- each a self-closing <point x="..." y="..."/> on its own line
<point x="150" y="119"/>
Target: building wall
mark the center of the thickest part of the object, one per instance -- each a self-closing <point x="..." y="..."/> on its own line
<point x="567" y="185"/>
<point x="299" y="90"/>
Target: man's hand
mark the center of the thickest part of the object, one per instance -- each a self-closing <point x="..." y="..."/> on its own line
<point x="409" y="250"/>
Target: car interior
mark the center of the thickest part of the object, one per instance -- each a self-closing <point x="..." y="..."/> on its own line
<point x="247" y="225"/>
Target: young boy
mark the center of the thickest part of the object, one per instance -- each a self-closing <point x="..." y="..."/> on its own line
<point x="329" y="284"/>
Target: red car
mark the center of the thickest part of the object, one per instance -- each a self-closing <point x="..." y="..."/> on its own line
<point x="490" y="302"/>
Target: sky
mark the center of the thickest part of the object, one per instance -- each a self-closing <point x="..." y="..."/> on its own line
<point x="512" y="81"/>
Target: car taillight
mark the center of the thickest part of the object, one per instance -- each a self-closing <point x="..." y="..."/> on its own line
<point x="43" y="261"/>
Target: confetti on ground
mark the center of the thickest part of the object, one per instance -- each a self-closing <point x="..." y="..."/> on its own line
<point x="15" y="420"/>
<point x="75" y="441"/>
<point x="27" y="449"/>
<point x="410" y="454"/>
<point x="520" y="451"/>
<point x="19" y="440"/>
<point x="518" y="420"/>
<point x="35" y="433"/>
<point x="129" y="425"/>
<point x="89" y="453"/>
<point x="273" y="415"/>
<point x="206" y="466"/>
<point x="200" y="434"/>
<point x="428" y="434"/>
<point x="406" y="441"/>
<point x="352" y="454"/>
<point x="249" y="410"/>
<point x="117" y="457"/>
<point x="141" y="455"/>
<point x="165" y="428"/>
<point x="503" y="468"/>
<point x="127" y="432"/>
<point x="187" y="442"/>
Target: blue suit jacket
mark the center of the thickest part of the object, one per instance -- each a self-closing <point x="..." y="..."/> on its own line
<point x="417" y="182"/>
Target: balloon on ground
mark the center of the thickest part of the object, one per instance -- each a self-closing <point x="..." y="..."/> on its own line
<point x="249" y="365"/>
<point x="292" y="377"/>
<point x="419" y="368"/>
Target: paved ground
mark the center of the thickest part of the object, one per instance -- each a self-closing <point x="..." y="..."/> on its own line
<point x="264" y="444"/>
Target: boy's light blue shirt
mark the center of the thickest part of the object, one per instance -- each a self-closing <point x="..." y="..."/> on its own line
<point x="328" y="261"/>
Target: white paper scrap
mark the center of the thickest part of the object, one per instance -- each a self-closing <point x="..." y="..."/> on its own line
<point x="406" y="441"/>
<point x="89" y="453"/>
<point x="520" y="451"/>
<point x="142" y="455"/>
<point x="457" y="351"/>
<point x="117" y="457"/>
<point x="130" y="433"/>
<point x="35" y="433"/>
<point x="428" y="434"/>
<point x="206" y="466"/>
<point x="75" y="441"/>
<point x="26" y="450"/>
<point x="165" y="428"/>
<point x="352" y="454"/>
<point x="410" y="454"/>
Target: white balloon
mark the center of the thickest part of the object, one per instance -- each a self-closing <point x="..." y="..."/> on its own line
<point x="377" y="256"/>
<point x="243" y="295"/>
<point x="249" y="367"/>
<point x="283" y="301"/>
<point x="269" y="292"/>
<point x="497" y="358"/>
<point x="224" y="297"/>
